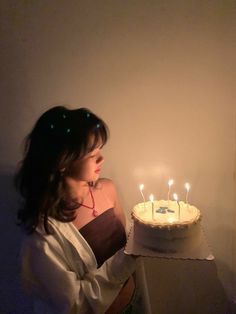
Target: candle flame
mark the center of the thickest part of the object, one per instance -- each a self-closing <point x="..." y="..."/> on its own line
<point x="175" y="196"/>
<point x="141" y="187"/>
<point x="170" y="182"/>
<point x="187" y="186"/>
<point x="151" y="197"/>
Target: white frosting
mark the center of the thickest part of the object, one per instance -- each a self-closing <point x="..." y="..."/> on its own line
<point x="166" y="213"/>
<point x="167" y="226"/>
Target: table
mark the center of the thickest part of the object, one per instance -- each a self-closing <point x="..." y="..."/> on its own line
<point x="177" y="286"/>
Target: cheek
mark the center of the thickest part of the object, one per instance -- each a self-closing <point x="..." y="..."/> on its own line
<point x="84" y="170"/>
<point x="77" y="170"/>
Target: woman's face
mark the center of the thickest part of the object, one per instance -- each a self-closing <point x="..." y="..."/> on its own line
<point x="89" y="167"/>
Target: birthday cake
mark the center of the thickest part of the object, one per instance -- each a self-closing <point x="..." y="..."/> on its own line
<point x="167" y="226"/>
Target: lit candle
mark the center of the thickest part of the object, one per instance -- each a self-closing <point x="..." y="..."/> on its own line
<point x="175" y="196"/>
<point x="141" y="187"/>
<point x="170" y="183"/>
<point x="151" y="197"/>
<point x="187" y="187"/>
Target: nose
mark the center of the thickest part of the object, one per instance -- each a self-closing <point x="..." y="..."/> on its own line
<point x="100" y="159"/>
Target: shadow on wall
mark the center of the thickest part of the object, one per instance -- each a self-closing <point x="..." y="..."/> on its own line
<point x="220" y="238"/>
<point x="12" y="299"/>
<point x="231" y="305"/>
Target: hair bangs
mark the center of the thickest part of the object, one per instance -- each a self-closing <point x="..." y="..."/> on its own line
<point x="97" y="137"/>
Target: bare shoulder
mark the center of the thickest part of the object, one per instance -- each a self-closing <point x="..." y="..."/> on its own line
<point x="108" y="186"/>
<point x="110" y="189"/>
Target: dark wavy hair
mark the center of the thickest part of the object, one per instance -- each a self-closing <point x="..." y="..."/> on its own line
<point x="59" y="137"/>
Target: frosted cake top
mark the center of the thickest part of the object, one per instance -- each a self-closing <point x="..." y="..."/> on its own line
<point x="166" y="213"/>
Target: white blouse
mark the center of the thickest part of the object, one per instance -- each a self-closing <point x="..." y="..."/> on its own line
<point x="60" y="272"/>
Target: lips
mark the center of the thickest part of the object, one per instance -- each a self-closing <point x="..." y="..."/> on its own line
<point x="98" y="170"/>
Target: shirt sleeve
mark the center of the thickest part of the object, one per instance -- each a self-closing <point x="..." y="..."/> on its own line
<point x="110" y="278"/>
<point x="47" y="275"/>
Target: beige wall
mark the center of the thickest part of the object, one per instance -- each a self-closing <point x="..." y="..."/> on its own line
<point x="161" y="74"/>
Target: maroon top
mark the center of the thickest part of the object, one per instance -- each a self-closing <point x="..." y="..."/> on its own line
<point x="105" y="234"/>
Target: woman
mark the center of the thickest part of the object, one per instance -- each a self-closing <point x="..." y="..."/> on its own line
<point x="72" y="253"/>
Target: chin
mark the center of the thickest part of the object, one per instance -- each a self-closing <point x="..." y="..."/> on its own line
<point x="95" y="178"/>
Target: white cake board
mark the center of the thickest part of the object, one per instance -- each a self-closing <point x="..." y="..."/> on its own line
<point x="201" y="252"/>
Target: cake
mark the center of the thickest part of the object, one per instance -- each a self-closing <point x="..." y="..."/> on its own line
<point x="167" y="226"/>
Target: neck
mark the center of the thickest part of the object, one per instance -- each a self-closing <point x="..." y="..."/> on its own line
<point x="77" y="189"/>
